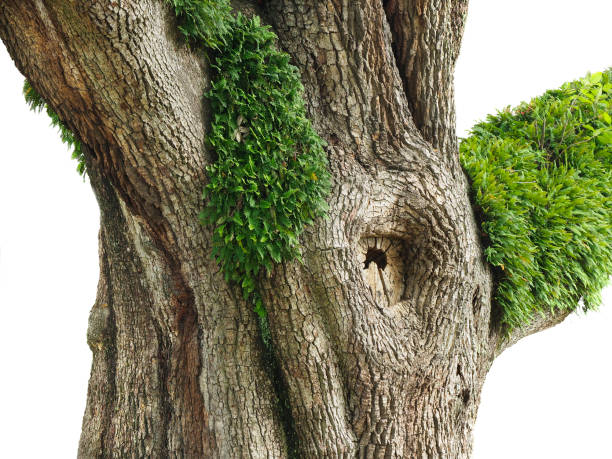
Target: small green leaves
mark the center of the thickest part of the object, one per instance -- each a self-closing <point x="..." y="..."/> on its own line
<point x="270" y="178"/>
<point x="36" y="103"/>
<point x="203" y="22"/>
<point x="541" y="177"/>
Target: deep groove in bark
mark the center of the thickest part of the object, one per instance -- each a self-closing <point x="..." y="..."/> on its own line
<point x="111" y="357"/>
<point x="163" y="375"/>
<point x="178" y="367"/>
<point x="476" y="301"/>
<point x="413" y="105"/>
<point x="279" y="384"/>
<point x="425" y="43"/>
<point x="465" y="396"/>
<point x="389" y="7"/>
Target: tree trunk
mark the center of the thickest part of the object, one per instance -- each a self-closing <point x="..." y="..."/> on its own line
<point x="382" y="337"/>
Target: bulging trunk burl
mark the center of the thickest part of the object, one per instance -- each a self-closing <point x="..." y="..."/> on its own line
<point x="382" y="335"/>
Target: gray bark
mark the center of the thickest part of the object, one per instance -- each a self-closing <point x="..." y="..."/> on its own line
<point x="387" y="361"/>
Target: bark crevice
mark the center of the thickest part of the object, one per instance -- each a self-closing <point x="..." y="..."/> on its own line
<point x="105" y="345"/>
<point x="279" y="385"/>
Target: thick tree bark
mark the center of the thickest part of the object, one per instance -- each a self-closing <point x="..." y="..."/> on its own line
<point x="386" y="361"/>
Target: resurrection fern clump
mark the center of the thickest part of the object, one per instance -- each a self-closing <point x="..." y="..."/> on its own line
<point x="541" y="179"/>
<point x="203" y="22"/>
<point x="36" y="103"/>
<point x="270" y="176"/>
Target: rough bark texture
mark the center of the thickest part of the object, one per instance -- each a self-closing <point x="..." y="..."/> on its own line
<point x="384" y="334"/>
<point x="426" y="40"/>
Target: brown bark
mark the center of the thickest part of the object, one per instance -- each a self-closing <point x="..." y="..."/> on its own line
<point x="426" y="40"/>
<point x="386" y="361"/>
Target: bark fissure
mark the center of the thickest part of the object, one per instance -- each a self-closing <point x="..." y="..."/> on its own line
<point x="280" y="387"/>
<point x="181" y="362"/>
<point x="163" y="375"/>
<point x="101" y="337"/>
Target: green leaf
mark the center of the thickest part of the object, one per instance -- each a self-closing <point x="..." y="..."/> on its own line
<point x="268" y="155"/>
<point x="596" y="78"/>
<point x="544" y="198"/>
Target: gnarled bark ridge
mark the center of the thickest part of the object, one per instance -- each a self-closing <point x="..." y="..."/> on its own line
<point x="383" y="335"/>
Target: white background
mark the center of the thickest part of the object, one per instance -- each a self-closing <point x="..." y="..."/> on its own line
<point x="547" y="397"/>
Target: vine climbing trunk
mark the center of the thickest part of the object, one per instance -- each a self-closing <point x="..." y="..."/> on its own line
<point x="380" y="338"/>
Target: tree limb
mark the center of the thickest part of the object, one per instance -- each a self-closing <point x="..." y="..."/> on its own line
<point x="537" y="324"/>
<point x="426" y="39"/>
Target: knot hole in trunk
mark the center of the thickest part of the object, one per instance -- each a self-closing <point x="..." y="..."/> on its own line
<point x="384" y="261"/>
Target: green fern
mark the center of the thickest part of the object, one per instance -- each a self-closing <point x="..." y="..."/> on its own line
<point x="541" y="177"/>
<point x="270" y="176"/>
